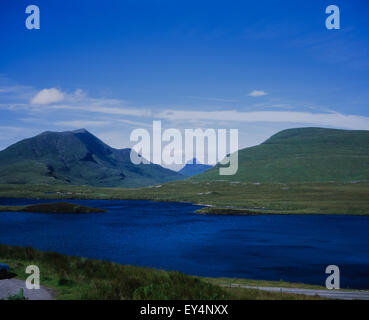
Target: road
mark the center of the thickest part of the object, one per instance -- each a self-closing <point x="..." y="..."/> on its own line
<point x="12" y="287"/>
<point x="333" y="294"/>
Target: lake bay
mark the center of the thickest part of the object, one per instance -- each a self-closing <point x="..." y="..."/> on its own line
<point x="172" y="236"/>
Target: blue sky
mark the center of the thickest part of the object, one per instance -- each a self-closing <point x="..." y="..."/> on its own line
<point x="112" y="66"/>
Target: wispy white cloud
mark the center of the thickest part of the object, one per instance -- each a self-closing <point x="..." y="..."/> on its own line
<point x="47" y="96"/>
<point x="100" y="112"/>
<point x="139" y="124"/>
<point x="14" y="106"/>
<point x="213" y="99"/>
<point x="82" y="123"/>
<point x="13" y="89"/>
<point x="280" y="106"/>
<point x="105" y="110"/>
<point x="332" y="118"/>
<point x="268" y="105"/>
<point x="257" y="93"/>
<point x="321" y="119"/>
<point x="14" y="92"/>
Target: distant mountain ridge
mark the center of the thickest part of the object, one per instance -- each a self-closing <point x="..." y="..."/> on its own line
<point x="194" y="167"/>
<point x="302" y="155"/>
<point x="76" y="157"/>
<point x="293" y="155"/>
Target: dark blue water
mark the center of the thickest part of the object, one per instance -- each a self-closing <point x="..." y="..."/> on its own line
<point x="172" y="237"/>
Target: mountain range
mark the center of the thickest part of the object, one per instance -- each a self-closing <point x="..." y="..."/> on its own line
<point x="292" y="155"/>
<point x="79" y="158"/>
<point x="193" y="168"/>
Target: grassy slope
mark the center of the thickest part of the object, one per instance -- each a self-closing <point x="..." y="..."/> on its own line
<point x="320" y="198"/>
<point x="303" y="155"/>
<point x="81" y="278"/>
<point x="293" y="155"/>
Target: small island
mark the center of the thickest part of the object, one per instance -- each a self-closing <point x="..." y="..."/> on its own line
<point x="56" y="207"/>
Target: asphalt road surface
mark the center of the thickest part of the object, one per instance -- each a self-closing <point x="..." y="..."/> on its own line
<point x="333" y="294"/>
<point x="12" y="286"/>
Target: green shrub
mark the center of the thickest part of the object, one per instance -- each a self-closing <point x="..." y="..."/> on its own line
<point x="19" y="296"/>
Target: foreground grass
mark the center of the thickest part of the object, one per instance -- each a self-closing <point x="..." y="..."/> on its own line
<point x="75" y="278"/>
<point x="293" y="198"/>
<point x="81" y="278"/>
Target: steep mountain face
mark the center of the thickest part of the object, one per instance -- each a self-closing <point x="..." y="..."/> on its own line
<point x="303" y="155"/>
<point x="193" y="168"/>
<point x="76" y="157"/>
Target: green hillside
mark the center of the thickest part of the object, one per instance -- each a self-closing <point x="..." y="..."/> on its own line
<point x="76" y="157"/>
<point x="293" y="155"/>
<point x="303" y="155"/>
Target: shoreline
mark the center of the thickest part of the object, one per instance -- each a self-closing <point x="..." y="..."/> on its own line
<point x="219" y="197"/>
<point x="224" y="211"/>
<point x="52" y="207"/>
<point x="208" y="209"/>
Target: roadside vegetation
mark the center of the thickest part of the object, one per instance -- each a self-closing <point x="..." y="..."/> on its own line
<point x="81" y="278"/>
<point x="19" y="296"/>
<point x="76" y="278"/>
<point x="227" y="282"/>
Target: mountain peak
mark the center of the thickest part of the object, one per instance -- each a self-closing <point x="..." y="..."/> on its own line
<point x="83" y="130"/>
<point x="76" y="157"/>
<point x="194" y="167"/>
<point x="193" y="161"/>
<point x="78" y="131"/>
